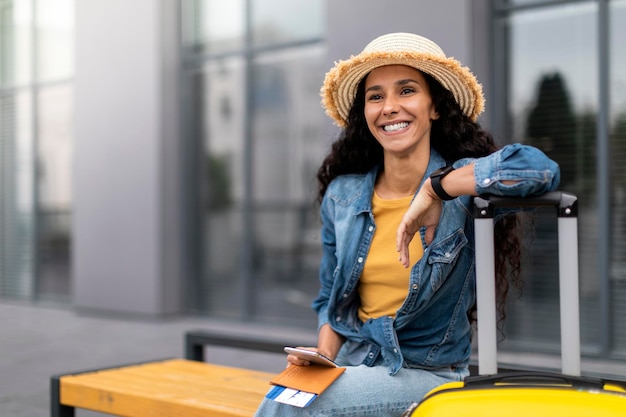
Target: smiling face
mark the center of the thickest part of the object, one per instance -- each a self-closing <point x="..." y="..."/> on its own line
<point x="399" y="109"/>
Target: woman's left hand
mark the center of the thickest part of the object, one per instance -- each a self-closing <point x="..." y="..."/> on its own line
<point x="425" y="210"/>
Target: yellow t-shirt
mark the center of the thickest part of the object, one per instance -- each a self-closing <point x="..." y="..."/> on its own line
<point x="384" y="282"/>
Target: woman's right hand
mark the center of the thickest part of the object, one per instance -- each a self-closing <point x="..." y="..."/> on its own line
<point x="328" y="344"/>
<point x="294" y="360"/>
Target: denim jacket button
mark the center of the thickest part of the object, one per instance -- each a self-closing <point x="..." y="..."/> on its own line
<point x="415" y="286"/>
<point x="371" y="228"/>
<point x="370" y="355"/>
<point x="345" y="295"/>
<point x="338" y="319"/>
<point x="486" y="181"/>
<point x="360" y="260"/>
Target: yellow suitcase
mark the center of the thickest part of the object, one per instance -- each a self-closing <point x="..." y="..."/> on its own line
<point x="525" y="393"/>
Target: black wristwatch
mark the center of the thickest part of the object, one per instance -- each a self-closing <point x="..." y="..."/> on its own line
<point x="435" y="182"/>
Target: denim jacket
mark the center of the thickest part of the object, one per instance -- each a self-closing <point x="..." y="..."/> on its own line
<point x="431" y="329"/>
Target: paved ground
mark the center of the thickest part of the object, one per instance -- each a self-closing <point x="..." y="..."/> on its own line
<point x="37" y="342"/>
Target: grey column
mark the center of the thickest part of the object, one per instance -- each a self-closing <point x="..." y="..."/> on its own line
<point x="127" y="234"/>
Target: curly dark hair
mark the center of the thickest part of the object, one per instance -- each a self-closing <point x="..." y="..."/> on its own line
<point x="454" y="136"/>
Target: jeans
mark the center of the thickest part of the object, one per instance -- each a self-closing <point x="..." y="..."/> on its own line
<point x="367" y="391"/>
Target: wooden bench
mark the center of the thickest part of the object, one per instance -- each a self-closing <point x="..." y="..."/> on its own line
<point x="172" y="387"/>
<point x="176" y="387"/>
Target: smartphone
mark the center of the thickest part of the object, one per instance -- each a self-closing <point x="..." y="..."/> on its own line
<point x="311" y="356"/>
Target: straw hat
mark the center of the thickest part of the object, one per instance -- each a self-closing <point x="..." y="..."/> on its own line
<point x="341" y="81"/>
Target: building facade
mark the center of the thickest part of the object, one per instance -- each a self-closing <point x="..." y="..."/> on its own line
<point x="158" y="157"/>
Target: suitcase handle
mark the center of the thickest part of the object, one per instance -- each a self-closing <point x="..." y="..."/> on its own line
<point x="484" y="216"/>
<point x="565" y="203"/>
<point x="534" y="378"/>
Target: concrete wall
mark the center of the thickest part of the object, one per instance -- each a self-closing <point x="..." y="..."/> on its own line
<point x="127" y="234"/>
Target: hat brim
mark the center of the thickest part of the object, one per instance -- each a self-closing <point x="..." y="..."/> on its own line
<point x="341" y="82"/>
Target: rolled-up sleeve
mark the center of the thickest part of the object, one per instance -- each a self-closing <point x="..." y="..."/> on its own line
<point x="528" y="169"/>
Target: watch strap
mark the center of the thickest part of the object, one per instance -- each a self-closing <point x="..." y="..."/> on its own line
<point x="435" y="182"/>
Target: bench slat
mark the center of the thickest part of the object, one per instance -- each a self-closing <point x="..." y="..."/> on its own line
<point x="175" y="387"/>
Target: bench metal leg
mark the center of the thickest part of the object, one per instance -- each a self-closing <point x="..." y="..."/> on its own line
<point x="194" y="346"/>
<point x="56" y="408"/>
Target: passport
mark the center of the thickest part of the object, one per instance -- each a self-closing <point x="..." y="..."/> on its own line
<point x="312" y="378"/>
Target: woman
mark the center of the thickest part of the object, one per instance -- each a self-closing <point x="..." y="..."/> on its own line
<point x="393" y="309"/>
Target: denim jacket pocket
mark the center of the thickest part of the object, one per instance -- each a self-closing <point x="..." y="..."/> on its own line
<point x="444" y="255"/>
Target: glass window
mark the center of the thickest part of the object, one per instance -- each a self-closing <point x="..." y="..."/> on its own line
<point x="36" y="61"/>
<point x="17" y="203"/>
<point x="54" y="162"/>
<point x="55" y="52"/>
<point x="287" y="123"/>
<point x="17" y="147"/>
<point x="256" y="111"/>
<point x="281" y="21"/>
<point x="286" y="141"/>
<point x="617" y="135"/>
<point x="213" y="26"/>
<point x="523" y="3"/>
<point x="220" y="106"/>
<point x="553" y="90"/>
<point x="15" y="43"/>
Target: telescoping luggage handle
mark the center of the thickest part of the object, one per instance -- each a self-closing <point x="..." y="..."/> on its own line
<point x="567" y="212"/>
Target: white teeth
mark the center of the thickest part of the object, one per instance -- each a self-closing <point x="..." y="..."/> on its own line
<point x="396" y="126"/>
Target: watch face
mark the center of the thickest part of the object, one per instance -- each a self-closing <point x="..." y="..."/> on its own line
<point x="436" y="177"/>
<point x="441" y="171"/>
